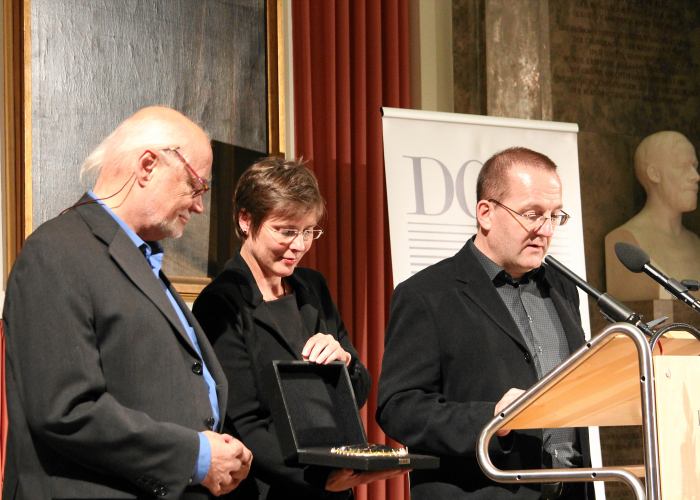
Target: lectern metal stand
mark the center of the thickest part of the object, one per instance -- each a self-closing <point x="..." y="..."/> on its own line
<point x="603" y="383"/>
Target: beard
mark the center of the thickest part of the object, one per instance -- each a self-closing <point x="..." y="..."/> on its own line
<point x="172" y="228"/>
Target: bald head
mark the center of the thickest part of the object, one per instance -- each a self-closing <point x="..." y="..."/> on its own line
<point x="657" y="150"/>
<point x="666" y="166"/>
<point x="152" y="170"/>
<point x="153" y="127"/>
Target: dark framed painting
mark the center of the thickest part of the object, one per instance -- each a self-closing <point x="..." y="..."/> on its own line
<point x="85" y="66"/>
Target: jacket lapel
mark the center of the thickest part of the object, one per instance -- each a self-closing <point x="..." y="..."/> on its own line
<point x="477" y="286"/>
<point x="208" y="355"/>
<point x="261" y="315"/>
<point x="305" y="301"/>
<point x="132" y="262"/>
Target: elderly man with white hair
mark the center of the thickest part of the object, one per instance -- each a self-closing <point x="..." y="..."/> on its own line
<point x="113" y="389"/>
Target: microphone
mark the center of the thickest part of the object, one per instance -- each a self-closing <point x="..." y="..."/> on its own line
<point x="611" y="308"/>
<point x="636" y="260"/>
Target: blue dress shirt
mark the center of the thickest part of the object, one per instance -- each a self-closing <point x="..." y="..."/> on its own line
<point x="153" y="252"/>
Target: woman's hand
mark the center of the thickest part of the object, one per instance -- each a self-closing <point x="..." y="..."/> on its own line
<point x="323" y="348"/>
<point x="344" y="479"/>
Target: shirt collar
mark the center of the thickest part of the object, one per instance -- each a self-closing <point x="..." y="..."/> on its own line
<point x="498" y="275"/>
<point x="152" y="250"/>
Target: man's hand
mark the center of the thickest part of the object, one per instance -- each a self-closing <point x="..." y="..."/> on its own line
<point x="344" y="479"/>
<point x="323" y="348"/>
<point x="230" y="463"/>
<point x="507" y="399"/>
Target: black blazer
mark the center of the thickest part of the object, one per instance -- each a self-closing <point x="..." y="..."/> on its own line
<point x="246" y="340"/>
<point x="452" y="350"/>
<point x="104" y="397"/>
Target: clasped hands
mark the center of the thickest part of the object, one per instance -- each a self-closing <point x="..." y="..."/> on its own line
<point x="230" y="463"/>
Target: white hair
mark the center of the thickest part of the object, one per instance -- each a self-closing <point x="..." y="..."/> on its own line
<point x="153" y="127"/>
<point x="92" y="165"/>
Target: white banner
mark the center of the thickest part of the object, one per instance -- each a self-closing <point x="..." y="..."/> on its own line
<point x="432" y="161"/>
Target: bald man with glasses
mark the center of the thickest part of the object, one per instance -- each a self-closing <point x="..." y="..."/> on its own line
<point x="469" y="334"/>
<point x="113" y="389"/>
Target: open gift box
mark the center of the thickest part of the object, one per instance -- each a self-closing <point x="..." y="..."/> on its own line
<point x="317" y="421"/>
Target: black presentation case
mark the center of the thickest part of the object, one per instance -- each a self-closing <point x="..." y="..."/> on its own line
<point x="314" y="410"/>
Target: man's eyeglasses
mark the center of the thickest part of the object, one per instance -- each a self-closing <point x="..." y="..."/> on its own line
<point x="201" y="185"/>
<point x="287" y="236"/>
<point x="535" y="220"/>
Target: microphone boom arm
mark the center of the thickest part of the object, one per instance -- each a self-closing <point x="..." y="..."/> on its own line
<point x="611" y="308"/>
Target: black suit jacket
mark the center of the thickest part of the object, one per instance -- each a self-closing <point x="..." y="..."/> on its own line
<point x="452" y="350"/>
<point x="104" y="395"/>
<point x="247" y="340"/>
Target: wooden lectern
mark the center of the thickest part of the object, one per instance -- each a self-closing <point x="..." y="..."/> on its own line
<point x="616" y="380"/>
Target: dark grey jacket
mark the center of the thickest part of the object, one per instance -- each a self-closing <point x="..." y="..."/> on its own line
<point x="104" y="391"/>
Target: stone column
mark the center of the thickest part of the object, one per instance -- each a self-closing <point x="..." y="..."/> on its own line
<point x="518" y="74"/>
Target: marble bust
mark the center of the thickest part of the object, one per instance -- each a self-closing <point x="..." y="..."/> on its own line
<point x="666" y="166"/>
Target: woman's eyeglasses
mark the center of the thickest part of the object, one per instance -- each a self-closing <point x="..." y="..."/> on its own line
<point x="288" y="235"/>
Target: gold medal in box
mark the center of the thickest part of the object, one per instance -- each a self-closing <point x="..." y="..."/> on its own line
<point x="318" y="423"/>
<point x="372" y="450"/>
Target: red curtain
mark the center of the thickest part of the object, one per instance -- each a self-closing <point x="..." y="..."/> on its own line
<point x="351" y="58"/>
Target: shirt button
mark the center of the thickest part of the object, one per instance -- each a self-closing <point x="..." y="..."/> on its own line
<point x="528" y="358"/>
<point x="197" y="368"/>
<point x="209" y="422"/>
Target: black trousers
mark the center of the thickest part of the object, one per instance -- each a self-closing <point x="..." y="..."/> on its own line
<point x="564" y="491"/>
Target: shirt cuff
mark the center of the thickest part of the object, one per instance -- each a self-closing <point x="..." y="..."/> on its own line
<point x="201" y="467"/>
